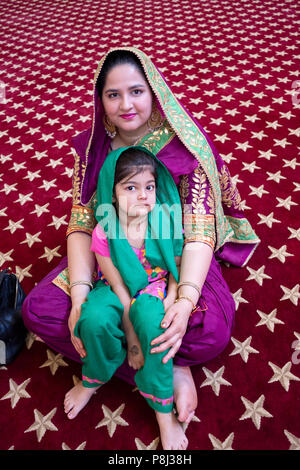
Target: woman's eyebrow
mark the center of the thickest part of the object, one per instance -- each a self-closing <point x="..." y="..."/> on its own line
<point x="114" y="90"/>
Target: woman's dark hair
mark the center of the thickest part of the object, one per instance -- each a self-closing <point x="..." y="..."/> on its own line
<point x="113" y="59"/>
<point x="132" y="162"/>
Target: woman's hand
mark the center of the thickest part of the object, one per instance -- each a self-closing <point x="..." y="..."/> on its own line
<point x="175" y="321"/>
<point x="169" y="299"/>
<point x="73" y="319"/>
<point x="78" y="296"/>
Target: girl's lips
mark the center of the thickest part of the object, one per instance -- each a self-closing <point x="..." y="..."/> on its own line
<point x="128" y="116"/>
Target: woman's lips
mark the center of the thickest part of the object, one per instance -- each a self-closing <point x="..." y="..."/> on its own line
<point x="128" y="116"/>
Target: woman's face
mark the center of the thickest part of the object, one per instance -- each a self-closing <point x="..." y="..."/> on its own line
<point x="127" y="99"/>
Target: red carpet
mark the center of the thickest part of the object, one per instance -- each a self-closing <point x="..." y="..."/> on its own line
<point x="235" y="66"/>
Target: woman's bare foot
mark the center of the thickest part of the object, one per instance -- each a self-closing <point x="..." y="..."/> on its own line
<point x="77" y="398"/>
<point x="185" y="394"/>
<point x="171" y="433"/>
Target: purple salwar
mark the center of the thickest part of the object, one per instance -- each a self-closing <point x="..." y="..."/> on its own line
<point x="47" y="307"/>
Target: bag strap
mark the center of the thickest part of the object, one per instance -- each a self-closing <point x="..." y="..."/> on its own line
<point x="2" y="275"/>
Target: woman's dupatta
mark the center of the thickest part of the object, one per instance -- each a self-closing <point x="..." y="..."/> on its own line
<point x="192" y="147"/>
<point x="164" y="239"/>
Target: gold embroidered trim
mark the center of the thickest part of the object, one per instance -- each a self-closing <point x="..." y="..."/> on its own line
<point x="230" y="195"/>
<point x="199" y="193"/>
<point x="158" y="139"/>
<point x="242" y="230"/>
<point x="76" y="180"/>
<point x="199" y="227"/>
<point x="207" y="241"/>
<point x="82" y="220"/>
<point x="63" y="281"/>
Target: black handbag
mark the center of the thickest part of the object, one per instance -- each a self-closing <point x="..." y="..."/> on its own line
<point x="12" y="329"/>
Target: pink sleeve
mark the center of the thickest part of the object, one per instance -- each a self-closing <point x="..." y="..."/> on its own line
<point x="99" y="241"/>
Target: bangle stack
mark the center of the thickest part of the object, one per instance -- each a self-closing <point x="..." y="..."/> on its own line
<point x="77" y="283"/>
<point x="191" y="284"/>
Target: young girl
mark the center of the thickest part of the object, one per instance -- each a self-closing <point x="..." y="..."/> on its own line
<point x="138" y="243"/>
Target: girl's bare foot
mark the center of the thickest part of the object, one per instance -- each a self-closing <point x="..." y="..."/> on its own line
<point x="171" y="433"/>
<point x="185" y="394"/>
<point x="77" y="398"/>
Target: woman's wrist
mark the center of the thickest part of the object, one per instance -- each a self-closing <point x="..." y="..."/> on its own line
<point x="79" y="293"/>
<point x="186" y="304"/>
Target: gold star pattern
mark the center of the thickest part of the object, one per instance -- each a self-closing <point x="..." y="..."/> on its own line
<point x="269" y="220"/>
<point x="244" y="349"/>
<point x="279" y="253"/>
<point x="16" y="392"/>
<point x="23" y="272"/>
<point x="295" y="233"/>
<point x="112" y="419"/>
<point x="255" y="411"/>
<point x="36" y="153"/>
<point x="237" y="296"/>
<point x="291" y="294"/>
<point x="286" y="203"/>
<point x="257" y="275"/>
<point x="50" y="254"/>
<point x="293" y="440"/>
<point x="80" y="447"/>
<point x="54" y="361"/>
<point x="5" y="257"/>
<point x="219" y="445"/>
<point x="215" y="380"/>
<point x="141" y="446"/>
<point x="42" y="423"/>
<point x="259" y="192"/>
<point x="269" y="320"/>
<point x="283" y="375"/>
<point x="31" y="239"/>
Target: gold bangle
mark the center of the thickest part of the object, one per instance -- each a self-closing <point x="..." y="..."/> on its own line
<point x="186" y="298"/>
<point x="188" y="283"/>
<point x="86" y="283"/>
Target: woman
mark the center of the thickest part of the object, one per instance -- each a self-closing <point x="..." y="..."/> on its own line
<point x="133" y="105"/>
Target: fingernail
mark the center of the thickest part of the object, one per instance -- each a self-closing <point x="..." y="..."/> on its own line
<point x="164" y="325"/>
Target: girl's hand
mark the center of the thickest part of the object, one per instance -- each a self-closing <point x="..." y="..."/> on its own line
<point x="73" y="319"/>
<point x="134" y="351"/>
<point x="175" y="321"/>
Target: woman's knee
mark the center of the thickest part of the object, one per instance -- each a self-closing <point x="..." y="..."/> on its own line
<point x="203" y="343"/>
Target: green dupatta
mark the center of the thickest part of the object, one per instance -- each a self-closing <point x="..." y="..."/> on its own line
<point x="164" y="237"/>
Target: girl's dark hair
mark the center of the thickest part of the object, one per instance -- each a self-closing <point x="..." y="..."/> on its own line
<point x="113" y="59"/>
<point x="132" y="162"/>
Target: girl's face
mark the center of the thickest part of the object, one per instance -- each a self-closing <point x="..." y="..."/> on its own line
<point x="136" y="194"/>
<point x="127" y="99"/>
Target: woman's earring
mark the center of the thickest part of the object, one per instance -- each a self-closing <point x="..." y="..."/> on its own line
<point x="155" y="120"/>
<point x="110" y="128"/>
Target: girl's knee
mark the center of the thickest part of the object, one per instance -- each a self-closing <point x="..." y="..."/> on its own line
<point x="97" y="319"/>
<point x="147" y="311"/>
